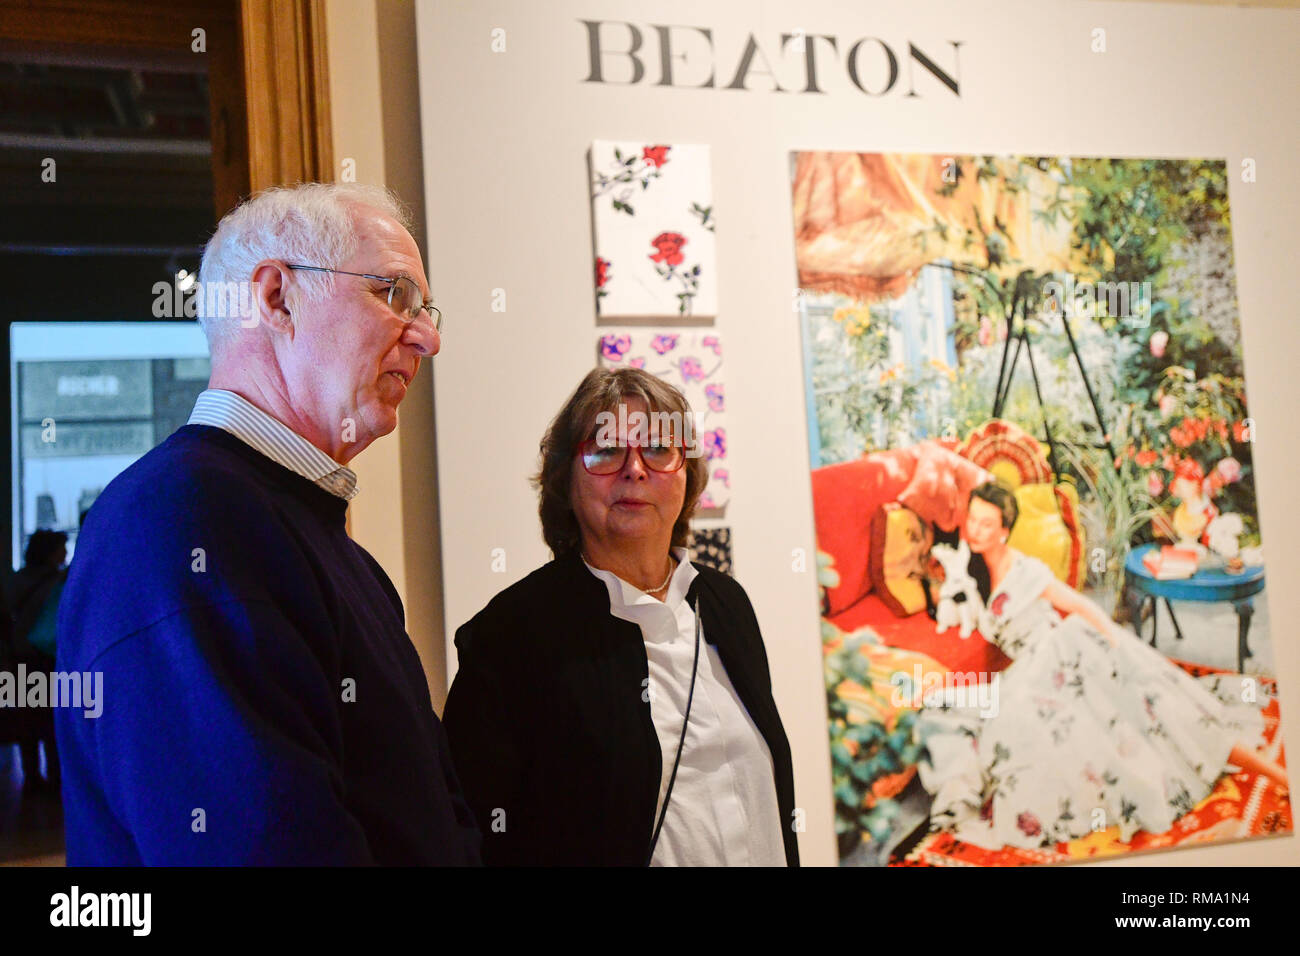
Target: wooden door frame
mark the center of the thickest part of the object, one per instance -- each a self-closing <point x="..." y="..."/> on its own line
<point x="286" y="92"/>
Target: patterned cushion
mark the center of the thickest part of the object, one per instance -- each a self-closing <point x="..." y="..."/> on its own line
<point x="1009" y="452"/>
<point x="900" y="543"/>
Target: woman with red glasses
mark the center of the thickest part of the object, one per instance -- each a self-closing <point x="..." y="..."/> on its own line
<point x="615" y="706"/>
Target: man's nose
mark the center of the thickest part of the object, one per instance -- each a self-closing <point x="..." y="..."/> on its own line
<point x="423" y="337"/>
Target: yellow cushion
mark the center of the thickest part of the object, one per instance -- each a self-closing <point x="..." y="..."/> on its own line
<point x="1006" y="473"/>
<point x="1048" y="528"/>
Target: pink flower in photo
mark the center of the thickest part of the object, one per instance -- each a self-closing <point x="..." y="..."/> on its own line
<point x="711" y="342"/>
<point x="1155" y="484"/>
<point x="724" y="476"/>
<point x="637" y="362"/>
<point x="691" y="369"/>
<point x="1229" y="470"/>
<point x="717" y="401"/>
<point x="706" y="501"/>
<point x="1028" y="824"/>
<point x="986" y="331"/>
<point x="715" y="443"/>
<point x="613" y="346"/>
<point x="1166" y="405"/>
<point x="663" y="344"/>
<point x="1159" y="340"/>
<point x="999" y="603"/>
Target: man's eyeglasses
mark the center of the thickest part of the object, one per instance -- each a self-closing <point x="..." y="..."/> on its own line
<point x="403" y="294"/>
<point x="601" y="459"/>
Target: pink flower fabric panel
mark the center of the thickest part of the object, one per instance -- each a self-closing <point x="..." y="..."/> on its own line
<point x="690" y="360"/>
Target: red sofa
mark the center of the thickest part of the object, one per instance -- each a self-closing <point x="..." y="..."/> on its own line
<point x="934" y="480"/>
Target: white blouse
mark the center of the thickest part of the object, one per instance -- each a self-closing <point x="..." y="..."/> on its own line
<point x="723" y="809"/>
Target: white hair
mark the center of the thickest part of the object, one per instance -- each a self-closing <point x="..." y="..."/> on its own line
<point x="307" y="223"/>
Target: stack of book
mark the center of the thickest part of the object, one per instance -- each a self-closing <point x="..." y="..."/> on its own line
<point x="1170" y="562"/>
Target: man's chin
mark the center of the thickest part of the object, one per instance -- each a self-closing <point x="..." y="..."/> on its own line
<point x="376" y="420"/>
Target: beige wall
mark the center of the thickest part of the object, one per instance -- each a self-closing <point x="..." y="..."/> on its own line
<point x="376" y="125"/>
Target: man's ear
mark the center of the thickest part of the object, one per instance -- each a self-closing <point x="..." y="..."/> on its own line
<point x="271" y="280"/>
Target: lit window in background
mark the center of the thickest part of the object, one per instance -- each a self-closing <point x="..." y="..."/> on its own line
<point x="87" y="400"/>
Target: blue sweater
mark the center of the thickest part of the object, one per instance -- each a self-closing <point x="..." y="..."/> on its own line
<point x="262" y="703"/>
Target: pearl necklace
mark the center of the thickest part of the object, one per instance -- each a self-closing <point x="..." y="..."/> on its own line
<point x="666" y="580"/>
<point x="660" y="588"/>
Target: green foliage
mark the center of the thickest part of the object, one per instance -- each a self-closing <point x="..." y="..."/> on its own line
<point x="1132" y="221"/>
<point x="864" y="401"/>
<point x="1116" y="506"/>
<point x="866" y="743"/>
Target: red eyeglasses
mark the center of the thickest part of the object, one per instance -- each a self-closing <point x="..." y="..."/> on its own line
<point x="603" y="459"/>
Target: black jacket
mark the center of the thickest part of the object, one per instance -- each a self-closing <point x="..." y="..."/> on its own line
<point x="550" y="732"/>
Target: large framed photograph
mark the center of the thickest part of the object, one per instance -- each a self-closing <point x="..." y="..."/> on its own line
<point x="1044" y="616"/>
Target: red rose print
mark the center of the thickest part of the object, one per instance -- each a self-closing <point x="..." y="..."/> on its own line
<point x="655" y="155"/>
<point x="669" y="245"/>
<point x="602" y="272"/>
<point x="998" y="604"/>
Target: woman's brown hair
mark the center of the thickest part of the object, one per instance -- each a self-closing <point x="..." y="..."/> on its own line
<point x="604" y="390"/>
<point x="1000" y="498"/>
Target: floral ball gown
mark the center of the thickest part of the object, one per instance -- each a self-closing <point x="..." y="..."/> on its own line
<point x="1082" y="734"/>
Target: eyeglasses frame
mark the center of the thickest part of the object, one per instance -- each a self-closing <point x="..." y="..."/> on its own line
<point x="426" y="306"/>
<point x="583" y="445"/>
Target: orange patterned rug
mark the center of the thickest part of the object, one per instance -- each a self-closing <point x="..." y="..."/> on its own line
<point x="1240" y="805"/>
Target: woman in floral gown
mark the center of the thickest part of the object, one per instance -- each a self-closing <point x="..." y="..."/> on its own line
<point x="1092" y="726"/>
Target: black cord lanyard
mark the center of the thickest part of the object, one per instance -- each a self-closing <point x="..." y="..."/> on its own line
<point x="680" y="743"/>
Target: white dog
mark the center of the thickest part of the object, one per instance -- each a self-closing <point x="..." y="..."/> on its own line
<point x="1224" y="534"/>
<point x="959" y="598"/>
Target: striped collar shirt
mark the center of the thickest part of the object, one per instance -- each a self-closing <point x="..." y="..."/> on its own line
<point x="274" y="439"/>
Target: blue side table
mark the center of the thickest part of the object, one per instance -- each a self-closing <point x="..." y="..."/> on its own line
<point x="1205" y="586"/>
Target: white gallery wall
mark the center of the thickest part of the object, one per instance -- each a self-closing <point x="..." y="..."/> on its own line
<point x="508" y="116"/>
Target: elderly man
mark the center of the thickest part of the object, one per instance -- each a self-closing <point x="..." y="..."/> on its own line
<point x="262" y="701"/>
